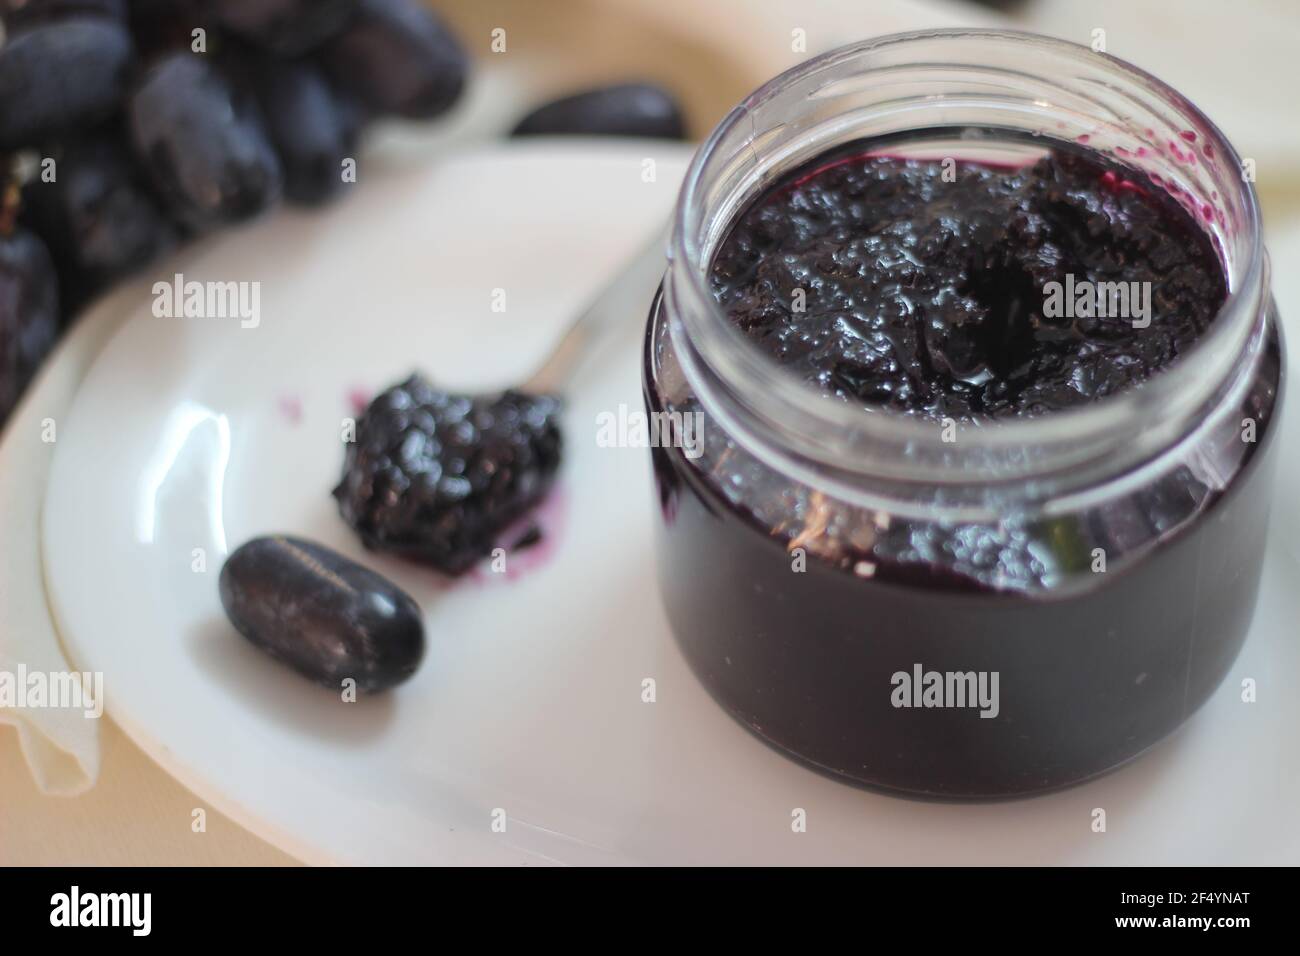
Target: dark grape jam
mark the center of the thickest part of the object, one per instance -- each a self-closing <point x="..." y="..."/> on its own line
<point x="952" y="289"/>
<point x="927" y="654"/>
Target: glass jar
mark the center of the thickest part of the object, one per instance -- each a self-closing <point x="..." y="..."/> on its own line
<point x="1005" y="608"/>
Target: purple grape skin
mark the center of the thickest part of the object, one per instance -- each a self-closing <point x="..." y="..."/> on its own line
<point x="311" y="130"/>
<point x="354" y="116"/>
<point x="166" y="26"/>
<point x="18" y="14"/>
<point x="29" y="313"/>
<point x="322" y="614"/>
<point x="203" y="144"/>
<point x="286" y="27"/>
<point x="399" y="59"/>
<point x="59" y="76"/>
<point x="97" y="217"/>
<point x="629" y="109"/>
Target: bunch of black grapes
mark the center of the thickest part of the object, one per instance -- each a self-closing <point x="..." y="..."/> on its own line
<point x="152" y="121"/>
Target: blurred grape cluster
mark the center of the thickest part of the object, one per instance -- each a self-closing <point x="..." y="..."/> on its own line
<point x="129" y="126"/>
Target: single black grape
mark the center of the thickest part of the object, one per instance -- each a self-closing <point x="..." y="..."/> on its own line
<point x="630" y="109"/>
<point x="97" y="216"/>
<point x="29" y="312"/>
<point x="286" y="27"/>
<point x="399" y="58"/>
<point x="324" y="615"/>
<point x="203" y="143"/>
<point x="59" y="76"/>
<point x="18" y="14"/>
<point x="310" y="128"/>
<point x="437" y="477"/>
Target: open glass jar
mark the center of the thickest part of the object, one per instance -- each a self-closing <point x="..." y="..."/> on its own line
<point x="993" y="609"/>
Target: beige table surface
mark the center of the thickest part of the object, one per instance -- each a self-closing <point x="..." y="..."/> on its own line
<point x="136" y="815"/>
<point x="711" y="52"/>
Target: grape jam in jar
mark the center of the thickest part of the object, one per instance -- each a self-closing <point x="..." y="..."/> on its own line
<point x="986" y="370"/>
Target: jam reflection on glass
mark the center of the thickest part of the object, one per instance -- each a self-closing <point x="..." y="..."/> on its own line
<point x="926" y="297"/>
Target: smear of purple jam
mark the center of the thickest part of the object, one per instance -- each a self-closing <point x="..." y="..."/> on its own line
<point x="530" y="543"/>
<point x="358" y="399"/>
<point x="290" y="408"/>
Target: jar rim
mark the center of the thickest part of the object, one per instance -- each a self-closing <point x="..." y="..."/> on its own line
<point x="1135" y="423"/>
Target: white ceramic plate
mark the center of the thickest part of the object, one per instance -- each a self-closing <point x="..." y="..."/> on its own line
<point x="195" y="433"/>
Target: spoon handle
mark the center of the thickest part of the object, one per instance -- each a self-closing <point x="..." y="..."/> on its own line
<point x="629" y="293"/>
